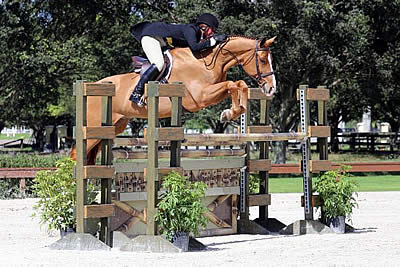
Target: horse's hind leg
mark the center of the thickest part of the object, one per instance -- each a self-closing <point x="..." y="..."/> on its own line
<point x="94" y="146"/>
<point x="120" y="124"/>
<point x="92" y="151"/>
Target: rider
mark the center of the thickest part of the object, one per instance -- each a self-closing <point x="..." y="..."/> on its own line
<point x="154" y="35"/>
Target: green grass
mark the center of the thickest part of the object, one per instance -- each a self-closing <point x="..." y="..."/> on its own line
<point x="378" y="183"/>
<point x="286" y="185"/>
<point x="17" y="136"/>
<point x="365" y="184"/>
<point x="335" y="157"/>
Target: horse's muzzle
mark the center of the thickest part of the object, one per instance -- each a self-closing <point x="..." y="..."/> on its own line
<point x="268" y="90"/>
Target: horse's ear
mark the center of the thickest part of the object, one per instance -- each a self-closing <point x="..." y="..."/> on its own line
<point x="267" y="42"/>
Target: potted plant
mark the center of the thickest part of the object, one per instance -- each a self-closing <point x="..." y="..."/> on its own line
<point x="180" y="211"/>
<point x="56" y="191"/>
<point x="337" y="193"/>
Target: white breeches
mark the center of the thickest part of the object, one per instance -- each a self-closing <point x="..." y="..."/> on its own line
<point x="152" y="48"/>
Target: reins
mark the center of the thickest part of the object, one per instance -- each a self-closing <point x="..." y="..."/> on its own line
<point x="214" y="58"/>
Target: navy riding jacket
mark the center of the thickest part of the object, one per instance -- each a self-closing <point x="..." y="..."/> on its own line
<point x="176" y="35"/>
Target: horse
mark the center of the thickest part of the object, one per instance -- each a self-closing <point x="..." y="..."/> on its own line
<point x="204" y="76"/>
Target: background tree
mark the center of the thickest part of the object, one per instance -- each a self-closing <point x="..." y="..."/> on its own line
<point x="383" y="64"/>
<point x="45" y="46"/>
<point x="319" y="43"/>
<point x="352" y="47"/>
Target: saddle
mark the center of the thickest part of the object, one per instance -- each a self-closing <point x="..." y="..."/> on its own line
<point x="141" y="64"/>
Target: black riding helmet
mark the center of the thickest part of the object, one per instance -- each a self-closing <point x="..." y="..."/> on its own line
<point x="208" y="19"/>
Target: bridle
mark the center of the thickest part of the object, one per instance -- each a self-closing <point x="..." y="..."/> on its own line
<point x="258" y="77"/>
<point x="259" y="74"/>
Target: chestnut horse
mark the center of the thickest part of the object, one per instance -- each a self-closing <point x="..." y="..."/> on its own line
<point x="204" y="75"/>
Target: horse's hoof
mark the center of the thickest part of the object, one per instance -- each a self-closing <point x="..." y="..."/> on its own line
<point x="225" y="116"/>
<point x="222" y="118"/>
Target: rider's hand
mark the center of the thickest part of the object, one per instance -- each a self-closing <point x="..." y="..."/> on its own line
<point x="220" y="38"/>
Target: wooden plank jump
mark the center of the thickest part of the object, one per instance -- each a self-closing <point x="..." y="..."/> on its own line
<point x="175" y="138"/>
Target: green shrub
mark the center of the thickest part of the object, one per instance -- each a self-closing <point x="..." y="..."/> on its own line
<point x="180" y="208"/>
<point x="254" y="183"/>
<point x="337" y="192"/>
<point x="9" y="189"/>
<point x="57" y="195"/>
<point x="29" y="160"/>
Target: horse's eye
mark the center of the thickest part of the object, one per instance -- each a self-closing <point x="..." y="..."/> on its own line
<point x="263" y="61"/>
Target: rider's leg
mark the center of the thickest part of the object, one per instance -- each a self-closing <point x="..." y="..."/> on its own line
<point x="152" y="49"/>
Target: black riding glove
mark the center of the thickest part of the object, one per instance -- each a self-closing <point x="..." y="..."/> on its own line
<point x="219" y="38"/>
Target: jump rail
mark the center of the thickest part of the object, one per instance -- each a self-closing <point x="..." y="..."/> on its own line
<point x="217" y="139"/>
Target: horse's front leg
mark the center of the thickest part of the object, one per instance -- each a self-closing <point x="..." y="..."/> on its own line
<point x="239" y="93"/>
<point x="216" y="93"/>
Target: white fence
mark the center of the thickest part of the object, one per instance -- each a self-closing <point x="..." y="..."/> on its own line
<point x="11" y="132"/>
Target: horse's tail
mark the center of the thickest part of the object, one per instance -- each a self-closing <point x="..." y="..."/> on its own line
<point x="72" y="153"/>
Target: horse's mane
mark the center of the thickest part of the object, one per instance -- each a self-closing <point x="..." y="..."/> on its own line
<point x="242" y="36"/>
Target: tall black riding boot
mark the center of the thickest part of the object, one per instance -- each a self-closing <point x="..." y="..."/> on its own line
<point x="149" y="75"/>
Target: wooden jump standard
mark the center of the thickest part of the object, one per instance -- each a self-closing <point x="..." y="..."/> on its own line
<point x="308" y="166"/>
<point x="321" y="131"/>
<point x="260" y="166"/>
<point x="104" y="171"/>
<point x="174" y="134"/>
